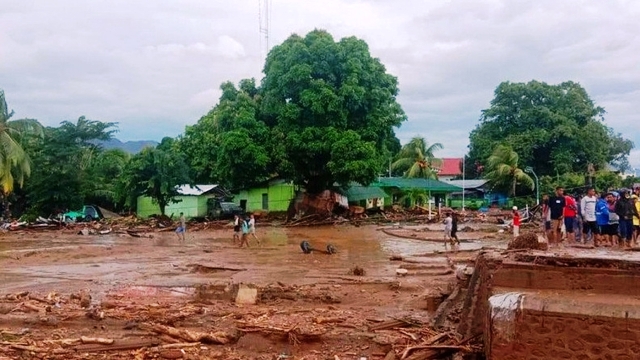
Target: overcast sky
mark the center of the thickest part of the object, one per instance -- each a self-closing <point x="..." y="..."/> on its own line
<point x="156" y="66"/>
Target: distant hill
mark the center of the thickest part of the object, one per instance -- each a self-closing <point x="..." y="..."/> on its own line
<point x="132" y="147"/>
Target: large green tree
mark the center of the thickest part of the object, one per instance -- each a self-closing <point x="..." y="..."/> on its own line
<point x="503" y="170"/>
<point x="324" y="113"/>
<point x="156" y="173"/>
<point x="318" y="92"/>
<point x="553" y="128"/>
<point x="230" y="145"/>
<point x="15" y="163"/>
<point x="416" y="159"/>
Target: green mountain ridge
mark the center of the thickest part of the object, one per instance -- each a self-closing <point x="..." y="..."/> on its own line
<point x="132" y="147"/>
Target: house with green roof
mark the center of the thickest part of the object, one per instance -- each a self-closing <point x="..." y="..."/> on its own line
<point x="415" y="191"/>
<point x="369" y="197"/>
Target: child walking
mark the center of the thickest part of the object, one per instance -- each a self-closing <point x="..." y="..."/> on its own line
<point x="448" y="225"/>
<point x="454" y="230"/>
<point x="516" y="222"/>
<point x="245" y="233"/>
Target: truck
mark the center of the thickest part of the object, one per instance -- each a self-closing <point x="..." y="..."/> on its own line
<point x="87" y="214"/>
<point x="219" y="209"/>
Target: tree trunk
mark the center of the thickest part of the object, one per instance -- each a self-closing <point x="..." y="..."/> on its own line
<point x="6" y="212"/>
<point x="163" y="207"/>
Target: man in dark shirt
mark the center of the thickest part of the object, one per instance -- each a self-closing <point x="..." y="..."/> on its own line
<point x="556" y="208"/>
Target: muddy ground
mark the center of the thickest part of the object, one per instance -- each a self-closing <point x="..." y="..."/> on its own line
<point x="114" y="296"/>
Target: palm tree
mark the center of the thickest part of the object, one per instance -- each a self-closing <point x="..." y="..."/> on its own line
<point x="503" y="170"/>
<point x="416" y="159"/>
<point x="15" y="164"/>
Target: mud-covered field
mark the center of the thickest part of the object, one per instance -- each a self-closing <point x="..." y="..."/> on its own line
<point x="114" y="296"/>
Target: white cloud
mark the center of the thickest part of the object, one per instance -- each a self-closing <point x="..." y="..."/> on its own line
<point x="155" y="67"/>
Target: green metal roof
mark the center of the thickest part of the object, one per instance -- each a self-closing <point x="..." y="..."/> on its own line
<point x="416" y="183"/>
<point x="359" y="192"/>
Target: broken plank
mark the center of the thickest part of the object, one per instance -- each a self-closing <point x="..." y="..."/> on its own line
<point x="118" y="346"/>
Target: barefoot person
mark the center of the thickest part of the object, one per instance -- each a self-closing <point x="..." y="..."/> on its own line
<point x="448" y="223"/>
<point x="236" y="228"/>
<point x="182" y="228"/>
<point x="588" y="213"/>
<point x="245" y="233"/>
<point x="516" y="222"/>
<point x="570" y="212"/>
<point x="454" y="230"/>
<point x="252" y="228"/>
<point x="602" y="220"/>
<point x="556" y="212"/>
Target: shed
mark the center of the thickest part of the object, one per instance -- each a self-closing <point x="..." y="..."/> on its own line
<point x="399" y="187"/>
<point x="366" y="196"/>
<point x="192" y="201"/>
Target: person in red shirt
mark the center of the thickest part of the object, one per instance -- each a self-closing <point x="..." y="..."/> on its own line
<point x="516" y="222"/>
<point x="570" y="212"/>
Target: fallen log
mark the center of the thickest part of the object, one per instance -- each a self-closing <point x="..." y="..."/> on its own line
<point x="176" y="346"/>
<point x="41" y="300"/>
<point x="91" y="340"/>
<point x="391" y="324"/>
<point x="219" y="337"/>
<point x="391" y="355"/>
<point x="327" y="320"/>
<point x="430" y="341"/>
<point x="124" y="346"/>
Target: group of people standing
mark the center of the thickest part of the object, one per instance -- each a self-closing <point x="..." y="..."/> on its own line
<point x="242" y="228"/>
<point x="605" y="219"/>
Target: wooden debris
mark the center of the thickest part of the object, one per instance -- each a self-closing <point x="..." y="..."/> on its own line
<point x="425" y="345"/>
<point x="118" y="346"/>
<point x="218" y="337"/>
<point x="391" y="355"/>
<point x="91" y="340"/>
<point x="327" y="320"/>
<point x="391" y="324"/>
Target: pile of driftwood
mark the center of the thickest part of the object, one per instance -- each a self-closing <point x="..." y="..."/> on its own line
<point x="316" y="220"/>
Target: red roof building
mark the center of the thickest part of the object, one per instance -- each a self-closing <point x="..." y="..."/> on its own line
<point x="451" y="168"/>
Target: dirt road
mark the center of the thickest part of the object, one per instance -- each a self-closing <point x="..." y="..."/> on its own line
<point x="308" y="306"/>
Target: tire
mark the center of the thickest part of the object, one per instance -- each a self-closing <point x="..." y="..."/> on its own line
<point x="88" y="218"/>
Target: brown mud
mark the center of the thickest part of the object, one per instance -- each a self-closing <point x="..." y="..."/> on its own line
<point x="115" y="296"/>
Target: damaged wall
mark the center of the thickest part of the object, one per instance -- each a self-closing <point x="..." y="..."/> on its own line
<point x="547" y="307"/>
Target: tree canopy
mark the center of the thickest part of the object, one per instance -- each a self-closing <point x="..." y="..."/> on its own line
<point x="324" y="113"/>
<point x="503" y="170"/>
<point x="156" y="173"/>
<point x="553" y="128"/>
<point x="68" y="164"/>
<point x="416" y="159"/>
<point x="15" y="163"/>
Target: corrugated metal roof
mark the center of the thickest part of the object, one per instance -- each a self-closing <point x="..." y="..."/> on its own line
<point x="417" y="183"/>
<point x="359" y="192"/>
<point x="195" y="190"/>
<point x="468" y="184"/>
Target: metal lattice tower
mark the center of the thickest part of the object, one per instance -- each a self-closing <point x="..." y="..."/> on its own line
<point x="264" y="18"/>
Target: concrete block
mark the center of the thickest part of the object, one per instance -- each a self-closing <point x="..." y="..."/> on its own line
<point x="246" y="295"/>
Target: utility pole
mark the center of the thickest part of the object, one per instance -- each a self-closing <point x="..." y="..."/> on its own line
<point x="264" y="20"/>
<point x="463" y="178"/>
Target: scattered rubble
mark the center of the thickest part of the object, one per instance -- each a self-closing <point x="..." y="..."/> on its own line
<point x="528" y="241"/>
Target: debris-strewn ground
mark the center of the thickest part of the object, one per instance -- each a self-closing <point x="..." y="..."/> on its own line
<point x="117" y="296"/>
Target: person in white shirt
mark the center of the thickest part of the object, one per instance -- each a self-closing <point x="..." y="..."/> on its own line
<point x="588" y="213"/>
<point x="252" y="228"/>
<point x="448" y="225"/>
